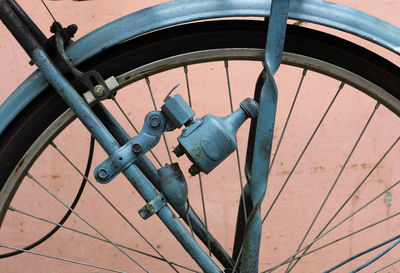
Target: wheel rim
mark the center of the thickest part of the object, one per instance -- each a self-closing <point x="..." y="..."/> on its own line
<point x="235" y="54"/>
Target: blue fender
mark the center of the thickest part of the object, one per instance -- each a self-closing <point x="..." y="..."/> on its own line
<point x="182" y="11"/>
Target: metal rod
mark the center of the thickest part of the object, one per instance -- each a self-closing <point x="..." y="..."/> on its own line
<point x="288" y="118"/>
<point x="84" y="220"/>
<point x="132" y="125"/>
<point x="110" y="145"/>
<point x="320" y="236"/>
<point x="276" y="34"/>
<point x="149" y="170"/>
<point x="290" y="267"/>
<point x="17" y="28"/>
<point x="27" y="21"/>
<point x="155" y="108"/>
<point x="94" y="237"/>
<point x="303" y="151"/>
<point x="62" y="259"/>
<point x="111" y="204"/>
<point x="264" y="134"/>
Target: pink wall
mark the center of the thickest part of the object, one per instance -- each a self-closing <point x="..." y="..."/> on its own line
<point x="285" y="226"/>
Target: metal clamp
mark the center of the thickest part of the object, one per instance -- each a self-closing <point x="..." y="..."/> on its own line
<point x="153" y="206"/>
<point x="118" y="161"/>
<point x="112" y="85"/>
<point x="91" y="79"/>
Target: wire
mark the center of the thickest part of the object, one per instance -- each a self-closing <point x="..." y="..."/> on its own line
<point x="66" y="216"/>
<point x="51" y="14"/>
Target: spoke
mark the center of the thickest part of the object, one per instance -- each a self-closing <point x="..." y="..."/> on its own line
<point x="84" y="220"/>
<point x="185" y="69"/>
<point x="361" y="184"/>
<point x="204" y="213"/>
<point x="386" y="266"/>
<point x="190" y="225"/>
<point x="303" y="151"/>
<point x="112" y="205"/>
<point x="94" y="237"/>
<point x="155" y="108"/>
<point x="61" y="259"/>
<point x="237" y="148"/>
<point x="132" y="125"/>
<point x="366" y="252"/>
<point x="238" y="258"/>
<point x="335" y="182"/>
<point x="226" y="63"/>
<point x="320" y="234"/>
<point x="288" y="118"/>
<point x="293" y="257"/>
<point x="48" y="10"/>
<point x="353" y="233"/>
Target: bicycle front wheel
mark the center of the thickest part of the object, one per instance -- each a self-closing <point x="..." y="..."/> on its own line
<point x="332" y="187"/>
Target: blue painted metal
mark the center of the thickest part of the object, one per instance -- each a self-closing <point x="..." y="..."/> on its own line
<point x="210" y="140"/>
<point x="183" y="11"/>
<point x="153" y="206"/>
<point x="173" y="185"/>
<point x="120" y="159"/>
<point x="264" y="134"/>
<point x="110" y="145"/>
<point x="177" y="111"/>
<point x="276" y="35"/>
<point x="259" y="173"/>
<point x="185" y="212"/>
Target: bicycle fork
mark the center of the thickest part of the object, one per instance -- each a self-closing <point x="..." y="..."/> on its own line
<point x="247" y="246"/>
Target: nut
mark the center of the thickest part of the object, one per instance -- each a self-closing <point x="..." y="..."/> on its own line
<point x="98" y="90"/>
<point x="155" y="121"/>
<point x="136" y="148"/>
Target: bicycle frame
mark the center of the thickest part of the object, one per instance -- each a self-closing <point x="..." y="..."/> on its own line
<point x="134" y="175"/>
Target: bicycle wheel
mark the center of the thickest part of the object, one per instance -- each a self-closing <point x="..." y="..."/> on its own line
<point x="339" y="145"/>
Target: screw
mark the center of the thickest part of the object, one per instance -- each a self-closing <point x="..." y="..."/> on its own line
<point x="155" y="121"/>
<point x="102" y="173"/>
<point x="136" y="148"/>
<point x="98" y="90"/>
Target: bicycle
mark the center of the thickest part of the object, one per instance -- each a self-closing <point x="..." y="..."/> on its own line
<point x="181" y="35"/>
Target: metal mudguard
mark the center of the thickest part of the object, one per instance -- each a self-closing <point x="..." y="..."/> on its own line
<point x="183" y="11"/>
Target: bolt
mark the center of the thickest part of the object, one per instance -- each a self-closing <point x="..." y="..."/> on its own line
<point x="155" y="121"/>
<point x="136" y="148"/>
<point x="193" y="170"/>
<point x="178" y="151"/>
<point x="102" y="173"/>
<point x="250" y="107"/>
<point x="98" y="90"/>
